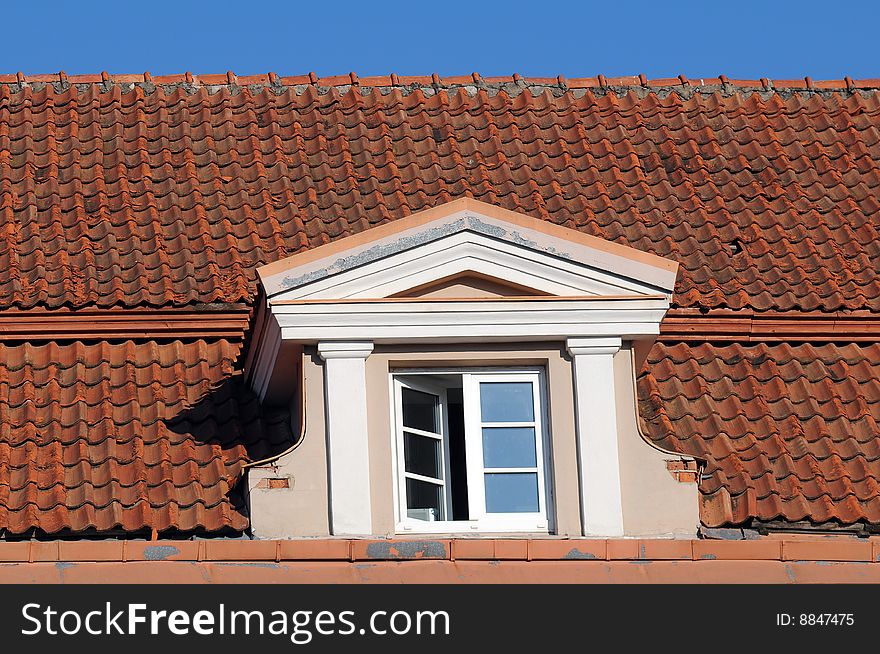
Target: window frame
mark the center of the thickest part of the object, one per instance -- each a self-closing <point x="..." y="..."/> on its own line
<point x="402" y="473"/>
<point x="479" y="521"/>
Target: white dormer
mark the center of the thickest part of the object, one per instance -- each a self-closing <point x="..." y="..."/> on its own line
<point x="424" y="432"/>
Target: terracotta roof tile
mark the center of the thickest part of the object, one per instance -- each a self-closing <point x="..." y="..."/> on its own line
<point x="135" y="192"/>
<point x="788" y="432"/>
<point x="170" y="195"/>
<point x="126" y="436"/>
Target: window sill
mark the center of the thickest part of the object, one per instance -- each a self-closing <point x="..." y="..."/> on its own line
<point x="467" y="529"/>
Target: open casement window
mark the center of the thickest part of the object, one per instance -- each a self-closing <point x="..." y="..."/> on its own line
<point x="471" y="451"/>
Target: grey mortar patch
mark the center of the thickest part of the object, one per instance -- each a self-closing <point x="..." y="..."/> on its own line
<point x="516" y="238"/>
<point x="377" y="252"/>
<point x="576" y="555"/>
<point x="159" y="552"/>
<point x="415" y="549"/>
<point x="471" y="89"/>
<point x="478" y="225"/>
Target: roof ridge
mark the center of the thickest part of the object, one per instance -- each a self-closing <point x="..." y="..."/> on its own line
<point x="601" y="82"/>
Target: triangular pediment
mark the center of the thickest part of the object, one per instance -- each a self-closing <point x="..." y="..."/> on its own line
<point x="469" y="285"/>
<point x="473" y="249"/>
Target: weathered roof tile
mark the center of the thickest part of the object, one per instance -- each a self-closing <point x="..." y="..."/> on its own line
<point x="127" y="436"/>
<point x="156" y="196"/>
<point x="788" y="432"/>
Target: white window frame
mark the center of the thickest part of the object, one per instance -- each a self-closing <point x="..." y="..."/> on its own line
<point x="403" y="475"/>
<point x="479" y="520"/>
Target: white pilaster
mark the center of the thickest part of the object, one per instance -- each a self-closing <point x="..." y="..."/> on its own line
<point x="348" y="456"/>
<point x="599" y="461"/>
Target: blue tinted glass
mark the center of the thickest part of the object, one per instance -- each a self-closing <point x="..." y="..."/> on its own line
<point x="509" y="447"/>
<point x="506" y="402"/>
<point x="512" y="492"/>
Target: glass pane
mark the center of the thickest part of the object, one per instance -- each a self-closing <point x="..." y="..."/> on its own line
<point x="509" y="447"/>
<point x="512" y="492"/>
<point x="424" y="501"/>
<point x="421" y="410"/>
<point x="422" y="455"/>
<point x="507" y="402"/>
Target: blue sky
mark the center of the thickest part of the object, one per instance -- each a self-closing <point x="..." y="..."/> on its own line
<point x="744" y="39"/>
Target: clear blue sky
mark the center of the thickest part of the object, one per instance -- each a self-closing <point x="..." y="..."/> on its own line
<point x="746" y="39"/>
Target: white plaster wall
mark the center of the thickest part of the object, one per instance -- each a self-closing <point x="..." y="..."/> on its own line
<point x="302" y="509"/>
<point x="654" y="503"/>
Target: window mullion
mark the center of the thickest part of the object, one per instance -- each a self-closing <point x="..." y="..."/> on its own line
<point x="446" y="463"/>
<point x="540" y="427"/>
<point x="506" y="470"/>
<point x="473" y="447"/>
<point x="398" y="442"/>
<point x="421" y="432"/>
<point x="429" y="480"/>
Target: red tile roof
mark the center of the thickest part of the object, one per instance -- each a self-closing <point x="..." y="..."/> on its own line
<point x="124" y="194"/>
<point x="127" y="436"/>
<point x="139" y="193"/>
<point x="788" y="432"/>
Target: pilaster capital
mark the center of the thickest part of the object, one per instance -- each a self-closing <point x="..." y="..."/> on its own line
<point x="593" y="345"/>
<point x="345" y="349"/>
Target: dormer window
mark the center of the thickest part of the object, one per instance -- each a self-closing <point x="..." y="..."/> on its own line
<point x="471" y="450"/>
<point x="470" y="372"/>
